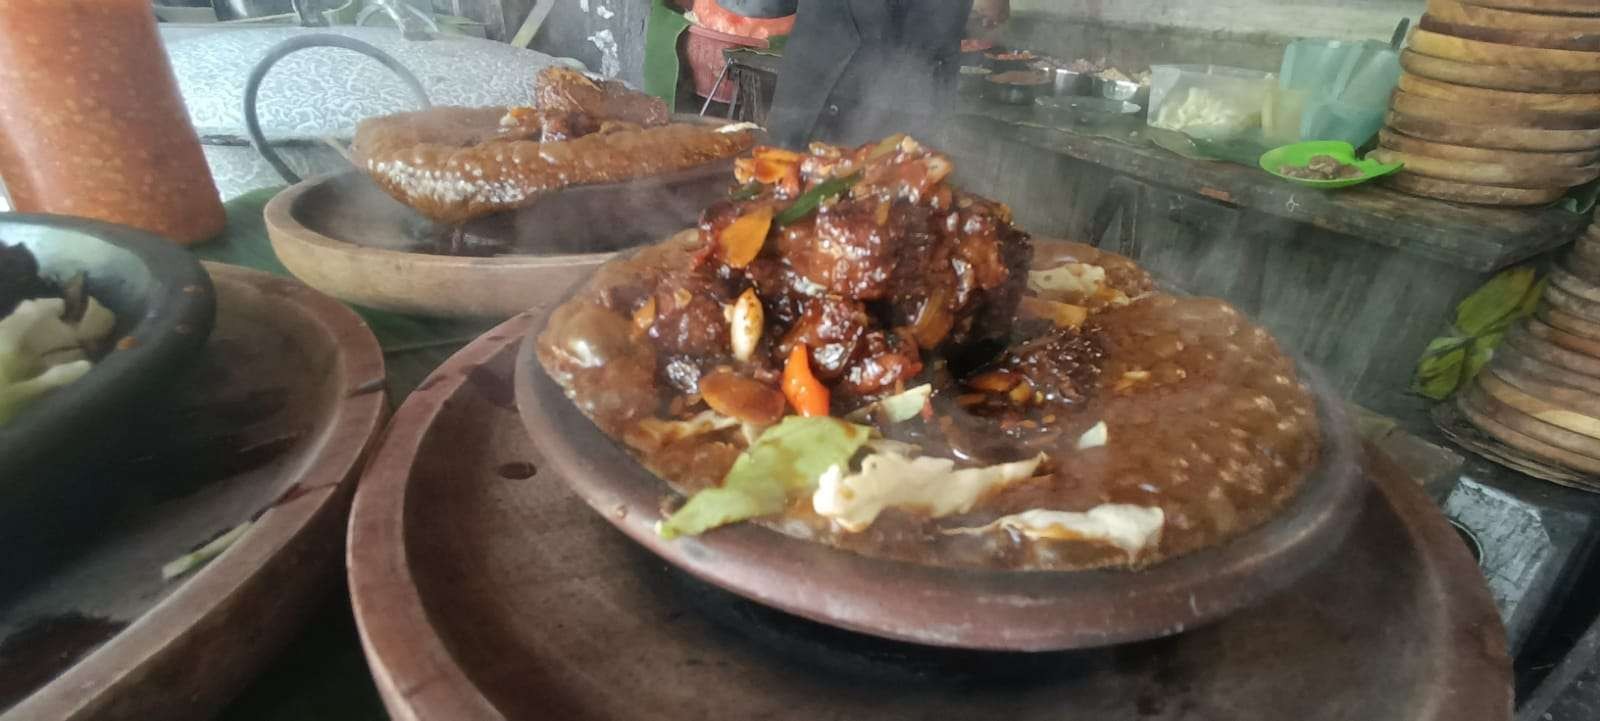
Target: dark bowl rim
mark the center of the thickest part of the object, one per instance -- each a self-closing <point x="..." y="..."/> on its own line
<point x="935" y="605"/>
<point x="178" y="315"/>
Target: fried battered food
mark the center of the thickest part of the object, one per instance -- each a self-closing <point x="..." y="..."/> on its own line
<point x="454" y="164"/>
<point x="567" y="90"/>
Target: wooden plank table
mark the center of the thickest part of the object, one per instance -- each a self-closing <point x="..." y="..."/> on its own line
<point x="1475" y="238"/>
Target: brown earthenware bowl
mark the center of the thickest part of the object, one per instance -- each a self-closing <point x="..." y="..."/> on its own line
<point x="956" y="607"/>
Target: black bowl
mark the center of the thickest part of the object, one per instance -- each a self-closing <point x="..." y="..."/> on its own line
<point x="164" y="305"/>
<point x="993" y="61"/>
<point x="1012" y="93"/>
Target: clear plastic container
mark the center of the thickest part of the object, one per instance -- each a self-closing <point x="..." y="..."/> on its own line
<point x="1208" y="102"/>
<point x="1332" y="90"/>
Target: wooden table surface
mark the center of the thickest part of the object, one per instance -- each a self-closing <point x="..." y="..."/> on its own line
<point x="1476" y="238"/>
<point x="1472" y="237"/>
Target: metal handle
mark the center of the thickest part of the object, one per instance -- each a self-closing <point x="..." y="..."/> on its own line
<point x="252" y="86"/>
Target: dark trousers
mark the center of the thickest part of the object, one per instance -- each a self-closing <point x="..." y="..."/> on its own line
<point x="858" y="70"/>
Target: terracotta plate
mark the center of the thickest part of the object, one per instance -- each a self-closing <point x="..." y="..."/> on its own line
<point x="486" y="589"/>
<point x="267" y="426"/>
<point x="966" y="608"/>
<point x="344" y="236"/>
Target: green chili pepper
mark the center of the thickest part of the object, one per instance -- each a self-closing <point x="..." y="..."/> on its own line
<point x="745" y="192"/>
<point x="808" y="201"/>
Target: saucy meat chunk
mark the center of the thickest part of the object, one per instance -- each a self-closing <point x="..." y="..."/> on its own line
<point x="849" y="248"/>
<point x="887" y="264"/>
<point x="686" y="325"/>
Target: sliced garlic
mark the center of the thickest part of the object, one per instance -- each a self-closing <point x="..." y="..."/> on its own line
<point x="744" y="323"/>
<point x="1080" y="280"/>
<point x="1128" y="527"/>
<point x="1095" y="437"/>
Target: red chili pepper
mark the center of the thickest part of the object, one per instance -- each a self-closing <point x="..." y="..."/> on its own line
<point x="807" y="394"/>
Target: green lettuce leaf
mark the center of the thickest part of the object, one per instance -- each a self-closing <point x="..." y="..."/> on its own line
<point x="1439" y="371"/>
<point x="1480" y="325"/>
<point x="1480" y="354"/>
<point x="783" y="463"/>
<point x="897" y="408"/>
<point x="1496" y="303"/>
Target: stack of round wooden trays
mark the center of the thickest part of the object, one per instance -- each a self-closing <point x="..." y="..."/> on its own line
<point x="1499" y="102"/>
<point x="1539" y="399"/>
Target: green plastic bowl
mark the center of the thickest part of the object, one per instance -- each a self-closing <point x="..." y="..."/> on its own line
<point x="1299" y="154"/>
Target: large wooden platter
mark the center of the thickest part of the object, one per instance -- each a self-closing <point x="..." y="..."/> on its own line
<point x="1569" y="39"/>
<point x="1570" y="323"/>
<point x="268" y="426"/>
<point x="485" y="589"/>
<point x="1525" y="342"/>
<point x="1548" y="7"/>
<point x="1492" y="174"/>
<point x="344" y="236"/>
<point x="1553" y="404"/>
<point x="1476" y="432"/>
<point x="1520" y="361"/>
<point x="1575" y="285"/>
<point x="1468" y="193"/>
<point x="1584" y="104"/>
<point x="1497" y="76"/>
<point x="1583" y="124"/>
<point x="1481" y="401"/>
<point x="1433" y="120"/>
<point x="1561" y="298"/>
<point x="1520" y="159"/>
<point x="1571" y="468"/>
<point x="1477" y="51"/>
<point x="1482" y="15"/>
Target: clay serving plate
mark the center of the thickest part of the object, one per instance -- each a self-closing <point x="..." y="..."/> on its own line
<point x="341" y="234"/>
<point x="966" y="608"/>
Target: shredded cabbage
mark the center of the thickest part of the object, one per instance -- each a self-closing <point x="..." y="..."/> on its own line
<point x="785" y="462"/>
<point x="891" y="480"/>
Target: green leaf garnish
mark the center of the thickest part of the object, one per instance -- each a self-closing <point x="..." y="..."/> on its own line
<point x="784" y="462"/>
<point x="745" y="192"/>
<point x="809" y="201"/>
<point x="897" y="408"/>
<point x="1480" y="325"/>
<point x="1496" y="302"/>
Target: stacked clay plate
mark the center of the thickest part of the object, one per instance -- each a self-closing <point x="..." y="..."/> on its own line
<point x="1541" y="393"/>
<point x="1499" y="102"/>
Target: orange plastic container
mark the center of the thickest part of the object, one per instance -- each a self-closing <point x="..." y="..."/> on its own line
<point x="91" y="122"/>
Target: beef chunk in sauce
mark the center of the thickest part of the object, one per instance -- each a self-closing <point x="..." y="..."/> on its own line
<point x="831" y="327"/>
<point x="850" y="248"/>
<point x="688" y="328"/>
<point x="897" y="266"/>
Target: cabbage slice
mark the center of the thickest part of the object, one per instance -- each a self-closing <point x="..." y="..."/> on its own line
<point x="784" y="462"/>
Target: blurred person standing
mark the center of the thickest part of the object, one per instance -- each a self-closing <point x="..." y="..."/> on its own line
<point x="858" y="70"/>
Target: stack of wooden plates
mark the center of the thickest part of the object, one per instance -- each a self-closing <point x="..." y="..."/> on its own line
<point x="1499" y="102"/>
<point x="1541" y="393"/>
